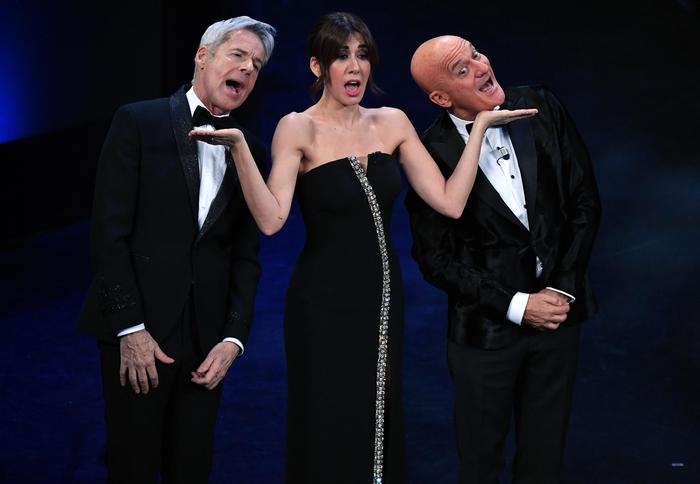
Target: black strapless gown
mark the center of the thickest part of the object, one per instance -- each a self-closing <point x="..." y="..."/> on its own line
<point x="336" y="370"/>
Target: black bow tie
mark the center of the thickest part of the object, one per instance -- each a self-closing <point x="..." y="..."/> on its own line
<point x="468" y="127"/>
<point x="201" y="117"/>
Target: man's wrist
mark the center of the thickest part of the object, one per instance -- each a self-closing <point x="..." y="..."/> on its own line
<point x="235" y="341"/>
<point x="563" y="293"/>
<point x="131" y="329"/>
<point x="516" y="309"/>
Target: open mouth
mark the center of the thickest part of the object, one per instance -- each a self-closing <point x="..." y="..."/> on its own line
<point x="352" y="88"/>
<point x="234" y="85"/>
<point x="487" y="86"/>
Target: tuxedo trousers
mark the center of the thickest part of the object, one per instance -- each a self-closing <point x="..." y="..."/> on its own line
<point x="531" y="380"/>
<point x="168" y="431"/>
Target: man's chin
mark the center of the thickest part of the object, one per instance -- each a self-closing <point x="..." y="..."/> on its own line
<point x="229" y="103"/>
<point x="499" y="96"/>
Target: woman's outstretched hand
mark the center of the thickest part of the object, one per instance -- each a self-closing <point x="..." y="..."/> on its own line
<point x="227" y="137"/>
<point x="503" y="116"/>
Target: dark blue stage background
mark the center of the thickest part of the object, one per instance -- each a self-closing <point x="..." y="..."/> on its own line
<point x="628" y="73"/>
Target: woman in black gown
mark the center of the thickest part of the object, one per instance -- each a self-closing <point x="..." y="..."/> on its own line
<point x="344" y="308"/>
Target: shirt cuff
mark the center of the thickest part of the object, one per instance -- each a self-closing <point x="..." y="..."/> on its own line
<point x="571" y="298"/>
<point x="237" y="342"/>
<point x="517" y="306"/>
<point x="130" y="330"/>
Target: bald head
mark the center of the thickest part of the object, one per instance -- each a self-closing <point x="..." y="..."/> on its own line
<point x="430" y="61"/>
<point x="456" y="76"/>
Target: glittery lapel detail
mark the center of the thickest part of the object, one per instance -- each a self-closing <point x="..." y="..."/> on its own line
<point x="182" y="124"/>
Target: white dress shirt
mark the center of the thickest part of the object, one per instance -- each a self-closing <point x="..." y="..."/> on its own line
<point x="212" y="164"/>
<point x="212" y="168"/>
<point x="504" y="175"/>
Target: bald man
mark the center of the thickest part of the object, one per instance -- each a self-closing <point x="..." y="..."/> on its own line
<point x="513" y="266"/>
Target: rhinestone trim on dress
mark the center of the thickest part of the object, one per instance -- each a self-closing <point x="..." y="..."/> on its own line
<point x="377" y="475"/>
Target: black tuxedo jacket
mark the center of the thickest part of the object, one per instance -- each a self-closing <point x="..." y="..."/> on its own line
<point x="482" y="259"/>
<point x="148" y="252"/>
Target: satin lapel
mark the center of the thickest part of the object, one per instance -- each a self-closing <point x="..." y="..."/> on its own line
<point x="226" y="190"/>
<point x="524" y="146"/>
<point x="182" y="124"/>
<point x="448" y="144"/>
<point x="487" y="193"/>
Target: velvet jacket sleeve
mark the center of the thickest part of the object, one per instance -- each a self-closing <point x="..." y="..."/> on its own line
<point x="441" y="249"/>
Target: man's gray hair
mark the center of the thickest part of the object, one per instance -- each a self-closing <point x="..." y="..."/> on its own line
<point x="219" y="32"/>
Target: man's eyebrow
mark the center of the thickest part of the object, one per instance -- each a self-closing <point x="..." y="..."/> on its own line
<point x="245" y="52"/>
<point x="454" y="53"/>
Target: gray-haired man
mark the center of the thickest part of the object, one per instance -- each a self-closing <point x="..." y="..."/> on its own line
<point x="175" y="260"/>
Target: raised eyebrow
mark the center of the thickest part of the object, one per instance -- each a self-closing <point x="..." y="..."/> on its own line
<point x="453" y="57"/>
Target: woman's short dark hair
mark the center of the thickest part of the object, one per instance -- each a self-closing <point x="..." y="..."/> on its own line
<point x="328" y="37"/>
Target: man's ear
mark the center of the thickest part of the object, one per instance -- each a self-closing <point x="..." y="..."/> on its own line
<point x="315" y="66"/>
<point x="200" y="58"/>
<point x="441" y="99"/>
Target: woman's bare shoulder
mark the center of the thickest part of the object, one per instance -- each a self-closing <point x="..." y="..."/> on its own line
<point x="387" y="114"/>
<point x="295" y="124"/>
<point x="297" y="120"/>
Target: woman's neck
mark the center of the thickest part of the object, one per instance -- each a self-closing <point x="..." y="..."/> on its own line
<point x="330" y="110"/>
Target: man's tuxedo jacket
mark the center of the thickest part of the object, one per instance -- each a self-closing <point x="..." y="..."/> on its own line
<point x="149" y="255"/>
<point x="482" y="259"/>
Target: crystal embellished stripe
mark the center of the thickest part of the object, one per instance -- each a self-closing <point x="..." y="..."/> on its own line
<point x="378" y="468"/>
